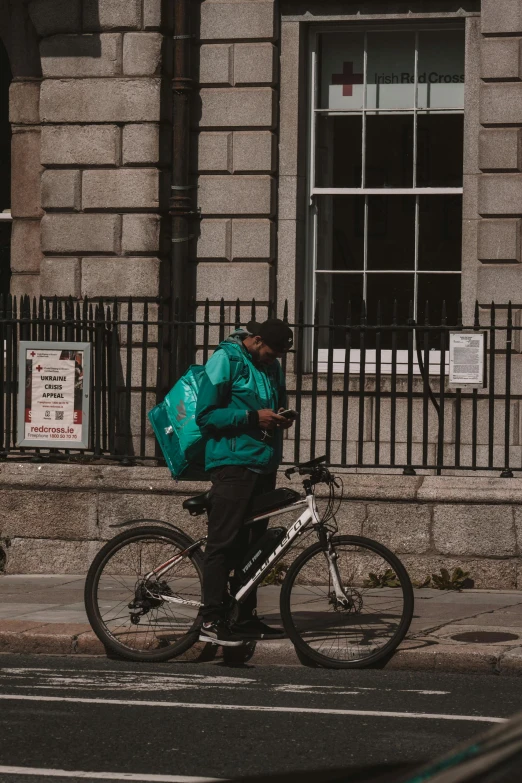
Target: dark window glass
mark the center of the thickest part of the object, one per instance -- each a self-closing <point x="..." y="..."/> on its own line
<point x="440" y="232"/>
<point x="437" y="289"/>
<point x="391" y="232"/>
<point x="5" y="131"/>
<point x="389" y="151"/>
<point x="5" y="172"/>
<point x="340" y="241"/>
<point x="5" y="255"/>
<point x="440" y="144"/>
<point x="338" y="152"/>
<point x="387" y="289"/>
<point x="342" y="291"/>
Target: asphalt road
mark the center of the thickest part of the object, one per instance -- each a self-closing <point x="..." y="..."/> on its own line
<point x="138" y="721"/>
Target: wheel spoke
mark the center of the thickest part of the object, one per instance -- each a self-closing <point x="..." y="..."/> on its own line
<point x="367" y="621"/>
<point x="127" y="614"/>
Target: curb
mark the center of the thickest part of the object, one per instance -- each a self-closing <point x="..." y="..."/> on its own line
<point x="69" y="640"/>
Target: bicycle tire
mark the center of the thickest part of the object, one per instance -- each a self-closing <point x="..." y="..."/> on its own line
<point x="160" y="648"/>
<point x="297" y="628"/>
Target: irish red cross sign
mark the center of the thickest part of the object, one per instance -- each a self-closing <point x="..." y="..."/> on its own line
<point x="347" y="78"/>
<point x="39" y="368"/>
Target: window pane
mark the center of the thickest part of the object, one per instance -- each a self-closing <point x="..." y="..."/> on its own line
<point x="440" y="232"/>
<point x="386" y="289"/>
<point x="435" y="289"/>
<point x="391" y="232"/>
<point x="338" y="151"/>
<point x="342" y="62"/>
<point x="340" y="240"/>
<point x="389" y="151"/>
<point x="441" y="69"/>
<point x="440" y="145"/>
<point x="5" y="265"/>
<point x="5" y="131"/>
<point x="391" y="71"/>
<point x="341" y="290"/>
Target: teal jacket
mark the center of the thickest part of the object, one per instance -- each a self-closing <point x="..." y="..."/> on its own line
<point x="232" y="386"/>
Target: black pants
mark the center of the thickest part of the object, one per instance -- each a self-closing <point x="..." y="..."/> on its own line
<point x="233" y="489"/>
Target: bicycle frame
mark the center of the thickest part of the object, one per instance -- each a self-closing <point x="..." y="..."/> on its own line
<point x="308" y="516"/>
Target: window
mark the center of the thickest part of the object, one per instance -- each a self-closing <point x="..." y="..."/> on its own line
<point x="5" y="173"/>
<point x="386" y="163"/>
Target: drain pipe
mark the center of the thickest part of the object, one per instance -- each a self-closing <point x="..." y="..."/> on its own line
<point x="180" y="205"/>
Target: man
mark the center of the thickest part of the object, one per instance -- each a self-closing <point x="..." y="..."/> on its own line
<point x="242" y="388"/>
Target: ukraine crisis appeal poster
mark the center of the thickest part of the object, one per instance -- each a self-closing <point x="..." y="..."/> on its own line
<point x="53" y="395"/>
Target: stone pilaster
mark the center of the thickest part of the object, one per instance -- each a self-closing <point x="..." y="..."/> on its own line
<point x="26" y="170"/>
<point x="500" y="153"/>
<point x="236" y="150"/>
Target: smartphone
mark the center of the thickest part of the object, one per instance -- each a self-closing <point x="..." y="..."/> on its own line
<point x="289" y="414"/>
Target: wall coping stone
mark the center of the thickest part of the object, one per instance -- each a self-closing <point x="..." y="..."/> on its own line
<point x="369" y="487"/>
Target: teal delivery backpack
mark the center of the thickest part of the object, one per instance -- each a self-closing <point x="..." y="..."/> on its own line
<point x="174" y="424"/>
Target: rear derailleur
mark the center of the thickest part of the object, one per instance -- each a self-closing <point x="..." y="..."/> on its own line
<point x="147" y="597"/>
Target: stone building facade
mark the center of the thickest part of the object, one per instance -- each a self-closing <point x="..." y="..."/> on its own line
<point x="339" y="149"/>
<point x="91" y="145"/>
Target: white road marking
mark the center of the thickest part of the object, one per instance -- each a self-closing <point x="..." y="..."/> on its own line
<point x="65" y="773"/>
<point x="118" y="680"/>
<point x="314" y="690"/>
<point x="252" y="708"/>
<point x="73" y="679"/>
<point x="336" y="690"/>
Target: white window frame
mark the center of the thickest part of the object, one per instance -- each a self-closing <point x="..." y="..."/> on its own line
<point x="313" y="191"/>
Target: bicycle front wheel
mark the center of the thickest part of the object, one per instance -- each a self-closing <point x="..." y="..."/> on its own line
<point x="361" y="623"/>
<point x="136" y="616"/>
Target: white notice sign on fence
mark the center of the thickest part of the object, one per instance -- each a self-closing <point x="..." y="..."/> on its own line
<point x="466" y="359"/>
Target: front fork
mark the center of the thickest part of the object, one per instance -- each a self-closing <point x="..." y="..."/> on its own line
<point x="325" y="538"/>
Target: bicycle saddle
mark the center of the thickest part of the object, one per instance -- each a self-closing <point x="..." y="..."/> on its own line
<point x="198" y="504"/>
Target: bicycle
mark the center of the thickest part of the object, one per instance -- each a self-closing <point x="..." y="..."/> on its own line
<point x="346" y="601"/>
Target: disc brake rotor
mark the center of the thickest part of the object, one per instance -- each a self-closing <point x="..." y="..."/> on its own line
<point x="352" y="601"/>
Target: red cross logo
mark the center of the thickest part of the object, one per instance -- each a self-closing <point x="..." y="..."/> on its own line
<point x="347" y="78"/>
<point x="39" y="368"/>
<point x="33" y="353"/>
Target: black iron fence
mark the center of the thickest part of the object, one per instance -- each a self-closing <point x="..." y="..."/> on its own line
<point x="371" y="396"/>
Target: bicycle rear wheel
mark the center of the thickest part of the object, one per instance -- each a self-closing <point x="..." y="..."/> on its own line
<point x="126" y="611"/>
<point x="370" y="620"/>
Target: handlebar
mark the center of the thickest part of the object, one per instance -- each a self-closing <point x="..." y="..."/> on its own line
<point x="318" y="472"/>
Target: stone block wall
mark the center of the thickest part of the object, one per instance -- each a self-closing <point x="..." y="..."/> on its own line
<point x="236" y="120"/>
<point x="91" y="164"/>
<point x="54" y="518"/>
<point x="500" y="152"/>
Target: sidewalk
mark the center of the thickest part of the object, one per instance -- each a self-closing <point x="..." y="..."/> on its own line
<point x="45" y="614"/>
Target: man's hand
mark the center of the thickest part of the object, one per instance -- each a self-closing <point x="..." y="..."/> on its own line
<point x="287" y="423"/>
<point x="268" y="420"/>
